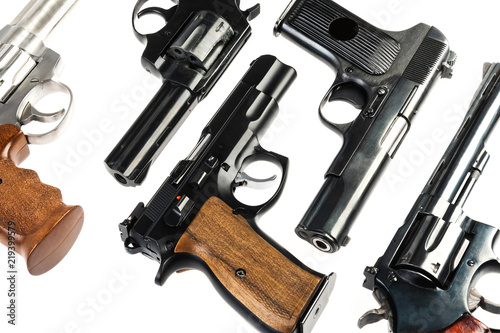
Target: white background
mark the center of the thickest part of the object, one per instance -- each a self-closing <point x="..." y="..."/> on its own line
<point x="102" y="67"/>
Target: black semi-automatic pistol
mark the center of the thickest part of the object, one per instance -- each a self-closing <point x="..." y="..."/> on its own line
<point x="195" y="220"/>
<point x="386" y="75"/>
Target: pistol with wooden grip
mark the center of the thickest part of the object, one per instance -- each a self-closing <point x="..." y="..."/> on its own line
<point x="426" y="280"/>
<point x="195" y="221"/>
<point x="384" y="74"/>
<point x="45" y="227"/>
<point x="189" y="54"/>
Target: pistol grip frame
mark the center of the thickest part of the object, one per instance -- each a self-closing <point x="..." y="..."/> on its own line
<point x="277" y="294"/>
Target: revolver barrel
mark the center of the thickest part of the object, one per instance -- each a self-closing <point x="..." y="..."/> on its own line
<point x="465" y="158"/>
<point x="132" y="157"/>
<point x="39" y="17"/>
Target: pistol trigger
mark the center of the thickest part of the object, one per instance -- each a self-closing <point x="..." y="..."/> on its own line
<point x="476" y="300"/>
<point x="243" y="179"/>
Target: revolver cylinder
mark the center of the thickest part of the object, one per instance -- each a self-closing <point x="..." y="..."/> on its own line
<point x="203" y="40"/>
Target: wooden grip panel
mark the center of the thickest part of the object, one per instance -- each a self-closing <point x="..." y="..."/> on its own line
<point x="265" y="281"/>
<point x="467" y="324"/>
<point x="45" y="228"/>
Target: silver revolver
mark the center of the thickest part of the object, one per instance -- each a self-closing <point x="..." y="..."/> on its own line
<point x="34" y="221"/>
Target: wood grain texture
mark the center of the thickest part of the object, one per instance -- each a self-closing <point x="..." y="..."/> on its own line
<point x="467" y="324"/>
<point x="274" y="289"/>
<point x="45" y="227"/>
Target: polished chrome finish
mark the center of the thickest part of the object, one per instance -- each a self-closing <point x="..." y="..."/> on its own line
<point x="27" y="67"/>
<point x="40" y="17"/>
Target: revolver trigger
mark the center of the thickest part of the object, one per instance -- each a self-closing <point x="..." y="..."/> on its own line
<point x="30" y="113"/>
<point x="477" y="300"/>
<point x="376" y="315"/>
<point x="243" y="179"/>
<point x="373" y="316"/>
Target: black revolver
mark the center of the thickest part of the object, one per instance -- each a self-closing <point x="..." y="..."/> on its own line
<point x="189" y="54"/>
<point x="425" y="282"/>
<point x="386" y="75"/>
<point x="195" y="221"/>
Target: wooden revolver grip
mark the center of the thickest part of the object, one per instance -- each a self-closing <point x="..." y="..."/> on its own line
<point x="44" y="227"/>
<point x="265" y="281"/>
<point x="466" y="324"/>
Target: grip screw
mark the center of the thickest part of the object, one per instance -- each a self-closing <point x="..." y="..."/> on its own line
<point x="240" y="273"/>
<point x="382" y="91"/>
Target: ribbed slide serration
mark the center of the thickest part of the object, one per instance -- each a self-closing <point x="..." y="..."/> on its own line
<point x="371" y="50"/>
<point x="424" y="61"/>
<point x="161" y="200"/>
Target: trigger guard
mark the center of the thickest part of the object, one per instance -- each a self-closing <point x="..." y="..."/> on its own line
<point x="348" y="92"/>
<point x="137" y="13"/>
<point x="266" y="156"/>
<point x="165" y="13"/>
<point x="260" y="155"/>
<point x="38" y="90"/>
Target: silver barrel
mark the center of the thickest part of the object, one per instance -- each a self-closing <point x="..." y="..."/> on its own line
<point x="39" y="17"/>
